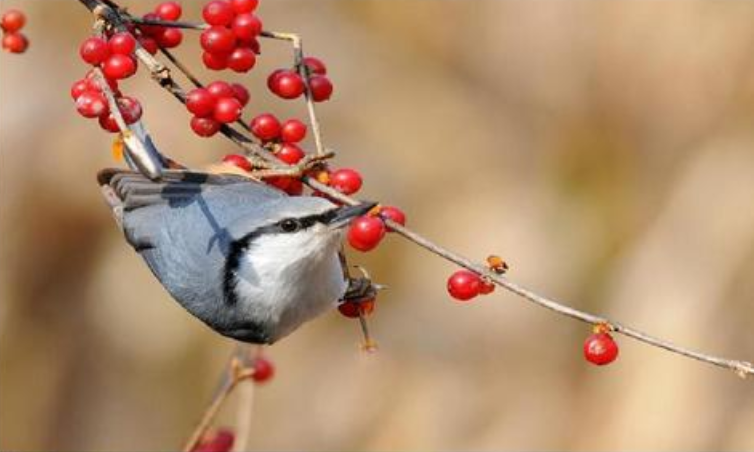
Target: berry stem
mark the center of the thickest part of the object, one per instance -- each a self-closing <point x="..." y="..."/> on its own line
<point x="169" y="24"/>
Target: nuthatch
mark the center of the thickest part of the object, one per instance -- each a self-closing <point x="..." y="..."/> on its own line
<point x="249" y="261"/>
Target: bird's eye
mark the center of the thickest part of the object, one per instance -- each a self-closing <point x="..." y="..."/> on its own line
<point x="290" y="225"/>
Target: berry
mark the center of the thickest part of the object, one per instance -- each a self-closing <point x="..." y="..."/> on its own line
<point x="15" y="42"/>
<point x="290" y="154"/>
<point x="315" y="65"/>
<point x="393" y="213"/>
<point x="122" y="43"/>
<point x="263" y="370"/>
<point x="600" y="349"/>
<point x="352" y="309"/>
<point x="215" y="61"/>
<point x="288" y="84"/>
<point x="94" y="51"/>
<point x="119" y="66"/>
<point x="204" y="127"/>
<point x="366" y="233"/>
<point x="241" y="93"/>
<point x="78" y="88"/>
<point x="321" y="88"/>
<point x="169" y="11"/>
<point x="200" y="102"/>
<point x="220" y="89"/>
<point x="218" y="40"/>
<point x="486" y="288"/>
<point x="227" y="110"/>
<point x="12" y="21"/>
<point x="130" y="109"/>
<point x="246" y="27"/>
<point x="91" y="104"/>
<point x="279" y="182"/>
<point x="149" y="44"/>
<point x="272" y="79"/>
<point x="218" y="12"/>
<point x="346" y="181"/>
<point x="266" y="127"/>
<point x="242" y="60"/>
<point x="170" y="38"/>
<point x="464" y="285"/>
<point x="295" y="188"/>
<point x="244" y="6"/>
<point x="239" y="161"/>
<point x="293" y="131"/>
<point x="219" y="441"/>
<point x="151" y="30"/>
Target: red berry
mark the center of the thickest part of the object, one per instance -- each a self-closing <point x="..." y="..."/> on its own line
<point x="119" y="66"/>
<point x="352" y="309"/>
<point x="130" y="109"/>
<point x="600" y="349"/>
<point x="219" y="441"/>
<point x="486" y="288"/>
<point x="239" y="161"/>
<point x="91" y="104"/>
<point x="266" y="127"/>
<point x="346" y="181"/>
<point x="122" y="43"/>
<point x="94" y="85"/>
<point x="170" y="38"/>
<point x="244" y="6"/>
<point x="279" y="182"/>
<point x="151" y="30"/>
<point x="293" y="131"/>
<point x="169" y="11"/>
<point x="366" y="233"/>
<point x="321" y="88"/>
<point x="464" y="285"/>
<point x="200" y="102"/>
<point x="288" y="85"/>
<point x="94" y="51"/>
<point x="204" y="127"/>
<point x="227" y="110"/>
<point x="220" y="89"/>
<point x="78" y="88"/>
<point x="253" y="45"/>
<point x="393" y="213"/>
<point x="315" y="65"/>
<point x="246" y="27"/>
<point x="263" y="370"/>
<point x="242" y="59"/>
<point x="218" y="40"/>
<point x="215" y="61"/>
<point x="295" y="188"/>
<point x="149" y="44"/>
<point x="218" y="12"/>
<point x="273" y="77"/>
<point x="15" y="42"/>
<point x="241" y="93"/>
<point x="290" y="153"/>
<point x="12" y="21"/>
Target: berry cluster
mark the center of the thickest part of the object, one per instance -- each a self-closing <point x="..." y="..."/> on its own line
<point x="231" y="41"/>
<point x="11" y="23"/>
<point x="216" y="104"/>
<point x="152" y="37"/>
<point x="288" y="84"/>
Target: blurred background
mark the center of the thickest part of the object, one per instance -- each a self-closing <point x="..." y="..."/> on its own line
<point x="606" y="150"/>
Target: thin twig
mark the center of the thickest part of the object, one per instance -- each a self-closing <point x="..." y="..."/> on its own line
<point x="245" y="401"/>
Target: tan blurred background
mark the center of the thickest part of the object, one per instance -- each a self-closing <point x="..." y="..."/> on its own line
<point x="605" y="149"/>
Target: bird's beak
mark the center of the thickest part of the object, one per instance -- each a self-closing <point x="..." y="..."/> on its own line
<point x="344" y="215"/>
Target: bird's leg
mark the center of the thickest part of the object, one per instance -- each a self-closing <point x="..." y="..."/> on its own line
<point x="308" y="163"/>
<point x="361" y="293"/>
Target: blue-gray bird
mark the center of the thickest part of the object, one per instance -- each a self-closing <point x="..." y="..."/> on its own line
<point x="246" y="259"/>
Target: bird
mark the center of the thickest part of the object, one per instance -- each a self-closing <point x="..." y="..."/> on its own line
<point x="246" y="259"/>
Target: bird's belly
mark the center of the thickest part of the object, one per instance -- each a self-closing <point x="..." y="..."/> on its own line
<point x="286" y="298"/>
